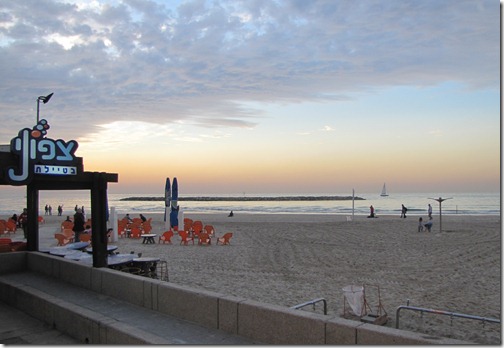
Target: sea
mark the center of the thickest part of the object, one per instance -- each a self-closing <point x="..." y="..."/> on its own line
<point x="454" y="203"/>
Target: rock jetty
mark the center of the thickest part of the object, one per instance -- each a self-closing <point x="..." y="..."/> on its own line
<point x="249" y="199"/>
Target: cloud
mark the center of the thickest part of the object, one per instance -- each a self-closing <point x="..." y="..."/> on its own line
<point x="328" y="129"/>
<point x="141" y="60"/>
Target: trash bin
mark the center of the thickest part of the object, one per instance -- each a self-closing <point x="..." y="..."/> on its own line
<point x="354" y="295"/>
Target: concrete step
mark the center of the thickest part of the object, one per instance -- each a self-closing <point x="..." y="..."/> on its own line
<point x="90" y="317"/>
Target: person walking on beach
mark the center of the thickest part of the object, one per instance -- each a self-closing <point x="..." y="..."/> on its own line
<point x="420" y="224"/>
<point x="429" y="211"/>
<point x="404" y="210"/>
<point x="78" y="226"/>
<point x="60" y="210"/>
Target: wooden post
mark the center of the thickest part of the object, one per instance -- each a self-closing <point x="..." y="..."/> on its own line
<point x="99" y="219"/>
<point x="32" y="202"/>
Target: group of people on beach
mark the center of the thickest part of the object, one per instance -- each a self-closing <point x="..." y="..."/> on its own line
<point x="428" y="224"/>
<point x="48" y="209"/>
<point x="404" y="210"/>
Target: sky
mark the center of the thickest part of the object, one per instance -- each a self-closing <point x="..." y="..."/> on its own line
<point x="263" y="96"/>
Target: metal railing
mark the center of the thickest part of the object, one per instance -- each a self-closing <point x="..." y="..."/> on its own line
<point x="451" y="314"/>
<point x="312" y="302"/>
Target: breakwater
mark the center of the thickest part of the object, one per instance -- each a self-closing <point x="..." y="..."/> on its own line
<point x="249" y="199"/>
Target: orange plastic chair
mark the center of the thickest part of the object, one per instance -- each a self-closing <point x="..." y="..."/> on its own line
<point x="204" y="239"/>
<point x="2" y="227"/>
<point x="18" y="246"/>
<point x="196" y="228"/>
<point x="66" y="225"/>
<point x="136" y="232"/>
<point x="41" y="220"/>
<point x="224" y="240"/>
<point x="210" y="230"/>
<point x="10" y="226"/>
<point x="122" y="232"/>
<point x="187" y="224"/>
<point x="146" y="227"/>
<point x="166" y="237"/>
<point x="69" y="234"/>
<point x="84" y="237"/>
<point x="5" y="241"/>
<point x="62" y="240"/>
<point x="185" y="238"/>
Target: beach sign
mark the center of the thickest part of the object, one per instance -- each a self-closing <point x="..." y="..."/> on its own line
<point x="39" y="155"/>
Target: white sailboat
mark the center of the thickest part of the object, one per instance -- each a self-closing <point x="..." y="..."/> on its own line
<point x="384" y="191"/>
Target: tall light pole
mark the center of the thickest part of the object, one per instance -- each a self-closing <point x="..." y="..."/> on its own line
<point x="440" y="200"/>
<point x="44" y="100"/>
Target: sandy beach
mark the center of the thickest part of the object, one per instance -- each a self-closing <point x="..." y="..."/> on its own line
<point x="290" y="259"/>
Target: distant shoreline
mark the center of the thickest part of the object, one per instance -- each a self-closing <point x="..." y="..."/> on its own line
<point x="250" y="199"/>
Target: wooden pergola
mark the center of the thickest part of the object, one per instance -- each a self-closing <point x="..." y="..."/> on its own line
<point x="95" y="182"/>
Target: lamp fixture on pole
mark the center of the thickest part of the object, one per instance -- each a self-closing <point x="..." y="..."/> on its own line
<point x="440" y="200"/>
<point x="45" y="100"/>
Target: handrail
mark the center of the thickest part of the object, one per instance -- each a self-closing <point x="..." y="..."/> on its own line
<point x="312" y="302"/>
<point x="451" y="314"/>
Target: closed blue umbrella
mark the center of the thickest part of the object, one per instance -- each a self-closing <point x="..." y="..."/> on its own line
<point x="167" y="200"/>
<point x="174" y="205"/>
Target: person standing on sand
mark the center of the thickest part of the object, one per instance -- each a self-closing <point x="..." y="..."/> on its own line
<point x="429" y="211"/>
<point x="78" y="226"/>
<point x="403" y="211"/>
<point x="23" y="222"/>
<point x="371" y="212"/>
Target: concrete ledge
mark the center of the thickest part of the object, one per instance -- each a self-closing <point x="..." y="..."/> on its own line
<point x="382" y="335"/>
<point x="269" y="324"/>
<point x="198" y="306"/>
<point x="124" y="286"/>
<point x="13" y="262"/>
<point x="279" y="325"/>
<point x="83" y="324"/>
<point x="341" y="331"/>
<point x="228" y="313"/>
<point x="43" y="263"/>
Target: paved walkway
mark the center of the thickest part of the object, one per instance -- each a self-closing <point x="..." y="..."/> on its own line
<point x="17" y="327"/>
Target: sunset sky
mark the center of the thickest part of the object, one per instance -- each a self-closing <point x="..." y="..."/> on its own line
<point x="262" y="96"/>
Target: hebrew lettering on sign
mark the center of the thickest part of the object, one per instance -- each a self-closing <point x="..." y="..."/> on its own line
<point x="40" y="155"/>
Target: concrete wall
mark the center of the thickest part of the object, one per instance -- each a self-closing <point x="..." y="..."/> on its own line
<point x="260" y="322"/>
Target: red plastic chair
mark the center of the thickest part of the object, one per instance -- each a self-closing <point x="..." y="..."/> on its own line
<point x="136" y="232"/>
<point x="84" y="237"/>
<point x="224" y="240"/>
<point x="185" y="237"/>
<point x="210" y="230"/>
<point x="204" y="239"/>
<point x="10" y="226"/>
<point x="166" y="237"/>
<point x="62" y="240"/>
<point x="196" y="228"/>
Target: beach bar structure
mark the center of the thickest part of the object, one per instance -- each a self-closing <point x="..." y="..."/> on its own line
<point x="40" y="163"/>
